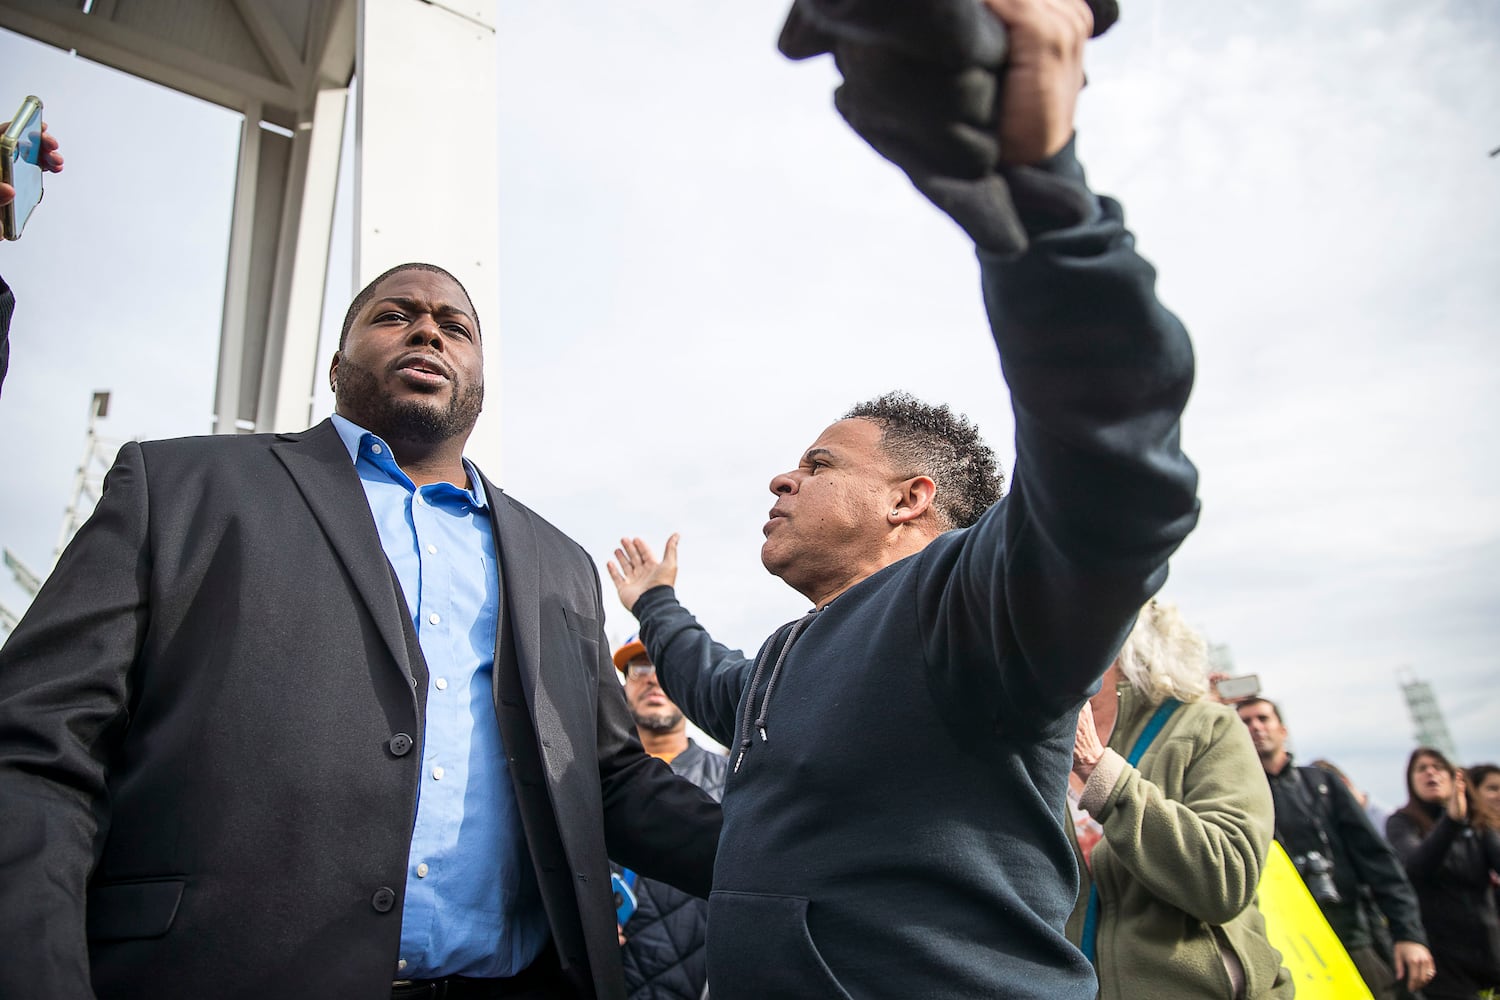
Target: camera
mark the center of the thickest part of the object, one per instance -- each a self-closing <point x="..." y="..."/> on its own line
<point x="1317" y="874"/>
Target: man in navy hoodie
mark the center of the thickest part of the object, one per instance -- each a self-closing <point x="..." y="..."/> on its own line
<point x="893" y="818"/>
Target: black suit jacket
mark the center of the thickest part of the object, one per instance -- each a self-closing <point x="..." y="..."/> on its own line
<point x="210" y="738"/>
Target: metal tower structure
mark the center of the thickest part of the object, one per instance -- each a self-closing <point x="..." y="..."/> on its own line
<point x="1429" y="727"/>
<point x="88" y="481"/>
<point x="88" y="486"/>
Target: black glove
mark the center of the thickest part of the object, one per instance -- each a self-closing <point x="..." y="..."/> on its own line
<point x="952" y="33"/>
<point x="921" y="85"/>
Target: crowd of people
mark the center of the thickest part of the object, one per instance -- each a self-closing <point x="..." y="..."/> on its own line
<point x="330" y="714"/>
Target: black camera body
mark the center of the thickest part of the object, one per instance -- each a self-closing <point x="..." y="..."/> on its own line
<point x="1317" y="874"/>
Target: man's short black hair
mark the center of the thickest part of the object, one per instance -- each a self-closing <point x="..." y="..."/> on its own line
<point x="1257" y="700"/>
<point x="925" y="440"/>
<point x="368" y="292"/>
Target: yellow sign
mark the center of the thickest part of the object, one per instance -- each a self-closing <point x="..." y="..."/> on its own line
<point x="1310" y="950"/>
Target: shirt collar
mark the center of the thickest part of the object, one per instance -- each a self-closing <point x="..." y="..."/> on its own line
<point x="355" y="437"/>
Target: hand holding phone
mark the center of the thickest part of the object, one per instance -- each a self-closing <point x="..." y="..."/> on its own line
<point x="624" y="898"/>
<point x="25" y="153"/>
<point x="1231" y="689"/>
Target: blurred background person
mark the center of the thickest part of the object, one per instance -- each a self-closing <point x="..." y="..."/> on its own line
<point x="1170" y="781"/>
<point x="1350" y="871"/>
<point x="665" y="938"/>
<point x="1483" y="781"/>
<point x="1449" y="842"/>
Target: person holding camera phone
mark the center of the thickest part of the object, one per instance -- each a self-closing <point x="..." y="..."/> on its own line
<point x="1448" y="838"/>
<point x="1340" y="856"/>
<point x="52" y="162"/>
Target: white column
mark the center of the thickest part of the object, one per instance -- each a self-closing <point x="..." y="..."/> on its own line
<point x="425" y="186"/>
<point x="292" y="366"/>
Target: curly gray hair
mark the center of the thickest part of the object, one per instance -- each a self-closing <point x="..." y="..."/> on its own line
<point x="926" y="440"/>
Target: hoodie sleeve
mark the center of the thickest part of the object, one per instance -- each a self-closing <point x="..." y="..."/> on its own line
<point x="1028" y="610"/>
<point x="705" y="678"/>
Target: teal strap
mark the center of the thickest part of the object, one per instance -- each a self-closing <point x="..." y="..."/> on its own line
<point x="1091" y="914"/>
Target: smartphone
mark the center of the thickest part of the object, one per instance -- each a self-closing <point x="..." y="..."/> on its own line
<point x="624" y="899"/>
<point x="1238" y="688"/>
<point x="21" y="167"/>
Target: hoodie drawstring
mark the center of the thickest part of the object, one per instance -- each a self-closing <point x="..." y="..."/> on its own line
<point x="765" y="701"/>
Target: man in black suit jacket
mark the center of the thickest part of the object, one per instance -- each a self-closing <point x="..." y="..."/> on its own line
<point x="212" y="719"/>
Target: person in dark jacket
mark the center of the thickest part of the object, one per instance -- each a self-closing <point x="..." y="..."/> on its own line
<point x="1341" y="858"/>
<point x="664" y="952"/>
<point x="1447" y="837"/>
<point x="899" y="756"/>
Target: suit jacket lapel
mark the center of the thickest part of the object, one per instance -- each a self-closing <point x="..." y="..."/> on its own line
<point x="520" y="569"/>
<point x="319" y="464"/>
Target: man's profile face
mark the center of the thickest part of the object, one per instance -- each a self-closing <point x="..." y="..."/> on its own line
<point x="652" y="710"/>
<point x="1266" y="730"/>
<point x="412" y="366"/>
<point x="830" y="515"/>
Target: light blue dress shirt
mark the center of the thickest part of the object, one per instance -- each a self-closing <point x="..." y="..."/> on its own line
<point x="471" y="906"/>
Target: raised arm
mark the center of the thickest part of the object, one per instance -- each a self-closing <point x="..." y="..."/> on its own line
<point x="1039" y="594"/>
<point x="1099" y="372"/>
<point x="705" y="678"/>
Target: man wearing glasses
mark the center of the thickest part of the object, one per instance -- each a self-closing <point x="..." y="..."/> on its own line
<point x="664" y="939"/>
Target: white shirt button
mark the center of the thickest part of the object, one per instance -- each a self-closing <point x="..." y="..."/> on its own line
<point x="401" y="963"/>
<point x="376" y="448"/>
<point x="422" y="870"/>
<point x="441" y="683"/>
<point x="432" y="550"/>
<point x="437" y="774"/>
<point x="434" y="618"/>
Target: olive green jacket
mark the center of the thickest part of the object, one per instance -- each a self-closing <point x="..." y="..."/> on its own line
<point x="1185" y="839"/>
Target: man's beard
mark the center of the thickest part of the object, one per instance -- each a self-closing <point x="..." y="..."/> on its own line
<point x="663" y="720"/>
<point x="416" y="420"/>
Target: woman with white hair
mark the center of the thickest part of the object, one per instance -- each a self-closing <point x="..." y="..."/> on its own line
<point x="1182" y="819"/>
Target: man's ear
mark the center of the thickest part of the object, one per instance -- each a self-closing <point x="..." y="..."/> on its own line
<point x="333" y="372"/>
<point x="913" y="499"/>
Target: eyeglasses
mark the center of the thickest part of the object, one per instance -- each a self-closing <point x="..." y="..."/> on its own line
<point x="640" y="671"/>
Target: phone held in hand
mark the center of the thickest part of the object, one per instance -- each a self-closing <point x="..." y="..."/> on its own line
<point x="624" y="899"/>
<point x="21" y="167"/>
<point x="1238" y="688"/>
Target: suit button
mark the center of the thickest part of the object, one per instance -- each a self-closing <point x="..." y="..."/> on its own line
<point x="383" y="900"/>
<point x="400" y="744"/>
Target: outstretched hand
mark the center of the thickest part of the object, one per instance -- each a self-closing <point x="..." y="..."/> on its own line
<point x="635" y="569"/>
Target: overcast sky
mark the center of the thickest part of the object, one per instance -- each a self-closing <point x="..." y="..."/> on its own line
<point x="701" y="268"/>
